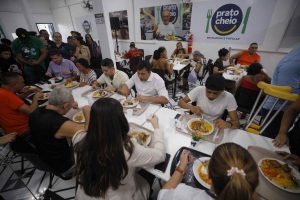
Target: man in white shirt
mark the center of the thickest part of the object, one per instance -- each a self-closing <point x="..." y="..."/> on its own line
<point x="112" y="77"/>
<point x="165" y="28"/>
<point x="150" y="86"/>
<point x="212" y="101"/>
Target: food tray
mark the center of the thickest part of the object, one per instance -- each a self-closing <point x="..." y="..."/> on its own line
<point x="138" y="111"/>
<point x="188" y="177"/>
<point x="136" y="127"/>
<point x="182" y="128"/>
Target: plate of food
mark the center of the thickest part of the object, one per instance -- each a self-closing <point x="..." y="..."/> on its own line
<point x="200" y="170"/>
<point x="200" y="126"/>
<point x="280" y="174"/>
<point x="45" y="96"/>
<point x="142" y="137"/>
<point x="129" y="103"/>
<point x="57" y="79"/>
<point x="99" y="94"/>
<point x="78" y="117"/>
<point x="172" y="37"/>
<point x="70" y="84"/>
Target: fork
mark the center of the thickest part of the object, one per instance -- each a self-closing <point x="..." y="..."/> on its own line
<point x="208" y="16"/>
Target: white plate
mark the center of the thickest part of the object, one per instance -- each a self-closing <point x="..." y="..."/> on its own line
<point x="135" y="103"/>
<point x="105" y="93"/>
<point x="295" y="173"/>
<point x="74" y="117"/>
<point x="198" y="119"/>
<point x="196" y="164"/>
<point x="56" y="79"/>
<point x="146" y="133"/>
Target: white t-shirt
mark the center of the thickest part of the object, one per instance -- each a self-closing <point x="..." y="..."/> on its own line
<point x="154" y="86"/>
<point x="164" y="30"/>
<point x="212" y="109"/>
<point x="118" y="79"/>
<point x="193" y="77"/>
<point x="183" y="192"/>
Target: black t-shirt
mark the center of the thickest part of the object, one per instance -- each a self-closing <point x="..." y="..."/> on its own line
<point x="9" y="65"/>
<point x="43" y="125"/>
<point x="219" y="64"/>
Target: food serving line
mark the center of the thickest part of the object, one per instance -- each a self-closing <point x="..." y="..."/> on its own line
<point x="258" y="146"/>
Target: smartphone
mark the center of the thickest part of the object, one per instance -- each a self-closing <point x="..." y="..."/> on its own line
<point x="163" y="165"/>
<point x="177" y="116"/>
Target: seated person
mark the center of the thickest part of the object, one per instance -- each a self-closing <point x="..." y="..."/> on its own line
<point x="195" y="70"/>
<point x="165" y="28"/>
<point x="160" y="63"/>
<point x="212" y="101"/>
<point x="14" y="112"/>
<point x="112" y="77"/>
<point x="50" y="129"/>
<point x="86" y="76"/>
<point x="232" y="170"/>
<point x="7" y="62"/>
<point x="247" y="57"/>
<point x="133" y="51"/>
<point x="285" y="134"/>
<point x="150" y="86"/>
<point x="179" y="52"/>
<point x="60" y="67"/>
<point x="113" y="175"/>
<point x="222" y="62"/>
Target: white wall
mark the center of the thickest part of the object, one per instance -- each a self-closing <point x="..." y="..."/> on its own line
<point x="13" y="15"/>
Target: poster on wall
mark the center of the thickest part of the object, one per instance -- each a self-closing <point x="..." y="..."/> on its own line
<point x="235" y="22"/>
<point x="166" y="22"/>
<point x="119" y="24"/>
<point x="86" y="25"/>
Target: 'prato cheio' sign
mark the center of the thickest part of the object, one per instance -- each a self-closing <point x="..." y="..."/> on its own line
<point x="227" y="19"/>
<point x="173" y="9"/>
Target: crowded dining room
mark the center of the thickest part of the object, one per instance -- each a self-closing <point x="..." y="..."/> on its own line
<point x="149" y="100"/>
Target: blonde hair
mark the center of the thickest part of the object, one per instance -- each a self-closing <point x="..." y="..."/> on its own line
<point x="233" y="186"/>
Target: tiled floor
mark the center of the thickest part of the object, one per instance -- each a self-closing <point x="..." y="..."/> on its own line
<point x="15" y="185"/>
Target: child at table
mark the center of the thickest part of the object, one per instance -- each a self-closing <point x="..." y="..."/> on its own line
<point x="233" y="172"/>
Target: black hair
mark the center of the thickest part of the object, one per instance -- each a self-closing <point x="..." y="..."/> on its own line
<point x="132" y="45"/>
<point x="9" y="77"/>
<point x="83" y="62"/>
<point x="223" y="52"/>
<point x="253" y="43"/>
<point x="107" y="62"/>
<point x="32" y="33"/>
<point x="4" y="47"/>
<point x="157" y="53"/>
<point x="254" y="68"/>
<point x="53" y="52"/>
<point x="144" y="65"/>
<point x="69" y="37"/>
<point x="21" y="32"/>
<point x="215" y="82"/>
<point x="6" y="41"/>
<point x="101" y="160"/>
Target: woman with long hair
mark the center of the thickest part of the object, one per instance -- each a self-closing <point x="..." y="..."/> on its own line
<point x="160" y="63"/>
<point x="232" y="170"/>
<point x="81" y="51"/>
<point x="107" y="158"/>
<point x="96" y="56"/>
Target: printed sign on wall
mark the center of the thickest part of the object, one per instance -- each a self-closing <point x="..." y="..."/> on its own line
<point x="166" y="22"/>
<point x="236" y="22"/>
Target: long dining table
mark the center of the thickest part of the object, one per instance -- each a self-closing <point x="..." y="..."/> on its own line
<point x="174" y="140"/>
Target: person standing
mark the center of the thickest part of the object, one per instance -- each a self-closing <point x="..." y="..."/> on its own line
<point x="249" y="56"/>
<point x="31" y="52"/>
<point x="95" y="51"/>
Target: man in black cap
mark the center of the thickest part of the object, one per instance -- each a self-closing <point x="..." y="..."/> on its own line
<point x="211" y="102"/>
<point x="30" y="51"/>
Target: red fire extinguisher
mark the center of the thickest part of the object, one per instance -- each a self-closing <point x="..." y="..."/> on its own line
<point x="190" y="44"/>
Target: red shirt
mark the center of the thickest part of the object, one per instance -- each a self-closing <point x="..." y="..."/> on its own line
<point x="247" y="59"/>
<point x="248" y="85"/>
<point x="133" y="53"/>
<point x="11" y="119"/>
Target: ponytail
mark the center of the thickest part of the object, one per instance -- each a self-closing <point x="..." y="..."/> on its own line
<point x="156" y="55"/>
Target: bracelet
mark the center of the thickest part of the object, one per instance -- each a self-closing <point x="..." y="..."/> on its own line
<point x="230" y="124"/>
<point x="181" y="171"/>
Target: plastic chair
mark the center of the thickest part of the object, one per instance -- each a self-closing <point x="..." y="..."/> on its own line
<point x="278" y="92"/>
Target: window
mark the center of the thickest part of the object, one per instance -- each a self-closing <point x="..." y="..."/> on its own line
<point x="48" y="27"/>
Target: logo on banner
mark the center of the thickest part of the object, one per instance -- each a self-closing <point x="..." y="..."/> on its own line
<point x="173" y="9"/>
<point x="227" y="19"/>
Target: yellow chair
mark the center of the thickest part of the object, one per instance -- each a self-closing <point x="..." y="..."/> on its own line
<point x="278" y="92"/>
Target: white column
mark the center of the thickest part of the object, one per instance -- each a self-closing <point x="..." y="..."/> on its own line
<point x="104" y="30"/>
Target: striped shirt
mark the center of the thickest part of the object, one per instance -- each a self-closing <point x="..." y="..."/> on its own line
<point x="88" y="78"/>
